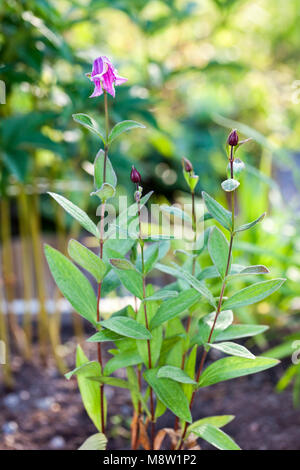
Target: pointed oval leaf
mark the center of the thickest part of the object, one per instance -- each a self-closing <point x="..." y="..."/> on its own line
<point x="216" y="437"/>
<point x="125" y="326"/>
<point x="121" y="127"/>
<point x="163" y="295"/>
<point x="217" y="211"/>
<point x="250" y="224"/>
<point x="249" y="271"/>
<point x="87" y="259"/>
<point x="77" y="213"/>
<point x="233" y="349"/>
<point x="89" y="123"/>
<point x="193" y="281"/>
<point x="72" y="284"/>
<point x="110" y="175"/>
<point x="89" y="391"/>
<point x="170" y="394"/>
<point x="218" y="249"/>
<point x="175" y="373"/>
<point x="217" y="421"/>
<point x="123" y="264"/>
<point x="240" y="331"/>
<point x="103" y="336"/>
<point x="132" y="280"/>
<point x="225" y="318"/>
<point x="233" y="367"/>
<point x="252" y="294"/>
<point x="175" y="306"/>
<point x="176" y="211"/>
<point x="122" y="360"/>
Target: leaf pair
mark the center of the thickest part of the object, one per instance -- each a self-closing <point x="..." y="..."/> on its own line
<point x="89" y="123"/>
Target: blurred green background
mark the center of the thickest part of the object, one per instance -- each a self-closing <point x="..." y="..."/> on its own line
<point x="195" y="69"/>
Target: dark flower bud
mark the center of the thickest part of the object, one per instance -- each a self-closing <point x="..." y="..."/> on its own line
<point x="135" y="176"/>
<point x="187" y="165"/>
<point x="233" y="138"/>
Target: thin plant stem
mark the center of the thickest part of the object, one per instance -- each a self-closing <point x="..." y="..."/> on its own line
<point x="99" y="350"/>
<point x="189" y="321"/>
<point x="152" y="432"/>
<point x="205" y="352"/>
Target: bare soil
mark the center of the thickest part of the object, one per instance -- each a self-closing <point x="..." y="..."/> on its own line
<point x="44" y="411"/>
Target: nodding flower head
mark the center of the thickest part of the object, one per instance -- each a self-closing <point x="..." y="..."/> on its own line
<point x="105" y="77"/>
<point x="187" y="165"/>
<point x="135" y="176"/>
<point x="233" y="138"/>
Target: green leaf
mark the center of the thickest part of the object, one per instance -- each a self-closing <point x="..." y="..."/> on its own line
<point x="170" y="394"/>
<point x="231" y="367"/>
<point x="123" y="264"/>
<point x="175" y="373"/>
<point x="128" y="327"/>
<point x="107" y="191"/>
<point x="238" y="168"/>
<point x="89" y="123"/>
<point x="95" y="442"/>
<point x="216" y="437"/>
<point x="233" y="349"/>
<point x="163" y="295"/>
<point x="110" y="175"/>
<point x="132" y="280"/>
<point x="121" y="127"/>
<point x="72" y="284"/>
<point x="225" y="318"/>
<point x="230" y="185"/>
<point x="251" y="224"/>
<point x="85" y="367"/>
<point x="103" y="336"/>
<point x="193" y="281"/>
<point x="151" y="256"/>
<point x="87" y="259"/>
<point x="173" y="307"/>
<point x="122" y="360"/>
<point x="157" y="333"/>
<point x="90" y="391"/>
<point x="112" y="381"/>
<point x="217" y="211"/>
<point x="190" y="369"/>
<point x="77" y="213"/>
<point x="176" y="211"/>
<point x="217" y="421"/>
<point x="252" y="294"/>
<point x="249" y="271"/>
<point x="240" y="331"/>
<point x="218" y="249"/>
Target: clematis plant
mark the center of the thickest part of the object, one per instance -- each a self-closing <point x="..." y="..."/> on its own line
<point x="162" y="344"/>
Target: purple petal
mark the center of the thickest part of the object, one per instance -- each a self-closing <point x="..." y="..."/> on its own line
<point x="120" y="80"/>
<point x="108" y="79"/>
<point x="98" y="67"/>
<point x="98" y="88"/>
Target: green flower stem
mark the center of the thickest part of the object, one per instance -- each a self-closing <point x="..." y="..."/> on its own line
<point x="141" y="241"/>
<point x="99" y="350"/>
<point x="205" y="352"/>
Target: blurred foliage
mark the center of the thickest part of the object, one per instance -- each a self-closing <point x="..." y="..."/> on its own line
<point x="188" y="63"/>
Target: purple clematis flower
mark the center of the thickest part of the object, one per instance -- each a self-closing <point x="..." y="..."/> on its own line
<point x="105" y="77"/>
